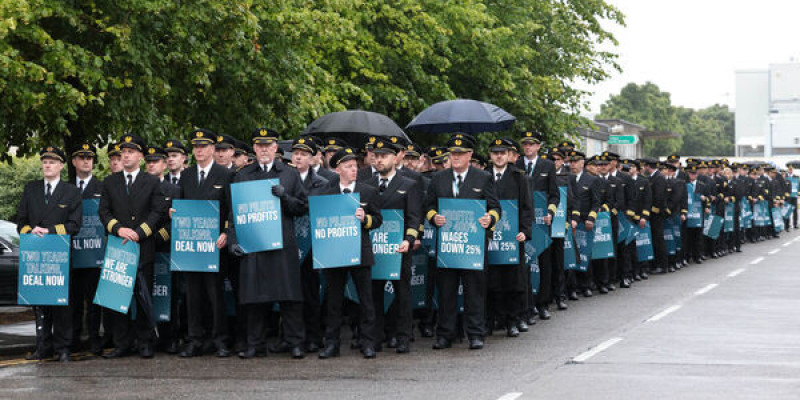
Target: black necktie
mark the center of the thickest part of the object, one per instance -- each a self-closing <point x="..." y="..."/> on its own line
<point x="529" y="169"/>
<point x="80" y="186"/>
<point x="47" y="194"/>
<point x="375" y="173"/>
<point x="130" y="182"/>
<point x="459" y="182"/>
<point x="174" y="180"/>
<point x="382" y="186"/>
<point x="346" y="190"/>
<point x="498" y="176"/>
<point x="202" y="177"/>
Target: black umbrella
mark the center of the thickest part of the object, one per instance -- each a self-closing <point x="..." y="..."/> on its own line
<point x="352" y="123"/>
<point x="145" y="299"/>
<point x="462" y="115"/>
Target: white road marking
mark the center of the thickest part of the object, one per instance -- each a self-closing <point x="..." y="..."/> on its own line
<point x="706" y="289"/>
<point x="664" y="313"/>
<point x="593" y="352"/>
<point x="510" y="396"/>
<point x="736" y="272"/>
<point x="774" y="251"/>
<point x="787" y="244"/>
<point x="757" y="260"/>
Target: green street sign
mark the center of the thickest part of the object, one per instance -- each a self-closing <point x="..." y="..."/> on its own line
<point x="623" y="139"/>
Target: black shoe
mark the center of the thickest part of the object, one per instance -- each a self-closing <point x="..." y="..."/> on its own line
<point x="37" y="355"/>
<point x="512" y="331"/>
<point x="403" y="347"/>
<point x="625" y="283"/>
<point x="561" y="304"/>
<point x="656" y="271"/>
<point x="523" y="326"/>
<point x="280" y="347"/>
<point x="670" y="269"/>
<point x="602" y="290"/>
<point x="544" y="313"/>
<point x="426" y="331"/>
<point x="298" y="353"/>
<point x="611" y="287"/>
<point x="644" y="276"/>
<point x="442" y="343"/>
<point x="329" y="351"/>
<point x="392" y="343"/>
<point x="587" y="292"/>
<point x="146" y="351"/>
<point x="312" y="347"/>
<point x="637" y="278"/>
<point x="531" y="320"/>
<point x="368" y="352"/>
<point x="172" y="348"/>
<point x="535" y="310"/>
<point x="251" y="352"/>
<point x="698" y="261"/>
<point x="64" y="357"/>
<point x="117" y="353"/>
<point x="191" y="350"/>
<point x="475" y="343"/>
<point x="223" y="352"/>
<point x="573" y="296"/>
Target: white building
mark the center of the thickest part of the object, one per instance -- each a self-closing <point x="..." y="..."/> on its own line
<point x="768" y="112"/>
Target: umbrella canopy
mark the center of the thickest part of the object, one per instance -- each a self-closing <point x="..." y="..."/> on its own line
<point x="354" y="122"/>
<point x="462" y="115"/>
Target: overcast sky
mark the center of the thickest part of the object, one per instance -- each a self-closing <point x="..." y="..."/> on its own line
<point x="692" y="49"/>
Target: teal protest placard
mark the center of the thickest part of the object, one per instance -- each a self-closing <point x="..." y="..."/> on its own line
<point x="428" y="240"/>
<point x="669" y="236"/>
<point x="603" y="242"/>
<point x="461" y="240"/>
<point x="795" y="183"/>
<point x="419" y="271"/>
<point x="385" y="242"/>
<point x="43" y="275"/>
<point x="570" y="251"/>
<point x="503" y="248"/>
<point x="302" y="231"/>
<point x="118" y="276"/>
<point x="89" y="245"/>
<point x="644" y="243"/>
<point x="583" y="240"/>
<point x="195" y="229"/>
<point x="540" y="241"/>
<point x="558" y="227"/>
<point x="335" y="230"/>
<point x="746" y="214"/>
<point x="727" y="225"/>
<point x="162" y="288"/>
<point x="535" y="276"/>
<point x="787" y="210"/>
<point x="761" y="213"/>
<point x="694" y="217"/>
<point x="388" y="296"/>
<point x="676" y="232"/>
<point x="257" y="216"/>
<point x="777" y="219"/>
<point x="539" y="207"/>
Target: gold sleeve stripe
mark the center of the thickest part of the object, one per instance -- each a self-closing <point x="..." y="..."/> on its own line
<point x="146" y="229"/>
<point x="578" y="213"/>
<point x="553" y="208"/>
<point x="630" y="213"/>
<point x="25" y="229"/>
<point x="227" y="224"/>
<point x="430" y="214"/>
<point x="61" y="229"/>
<point x="593" y="214"/>
<point x="656" y="210"/>
<point x="412" y="232"/>
<point x="605" y="207"/>
<point x="495" y="214"/>
<point x="111" y="224"/>
<point x="164" y="234"/>
<point x="645" y="213"/>
<point x="368" y="224"/>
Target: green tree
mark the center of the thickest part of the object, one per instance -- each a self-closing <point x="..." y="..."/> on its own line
<point x="646" y="105"/>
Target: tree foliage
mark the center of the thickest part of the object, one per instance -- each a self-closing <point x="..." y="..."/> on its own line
<point x="72" y="71"/>
<point x="706" y="132"/>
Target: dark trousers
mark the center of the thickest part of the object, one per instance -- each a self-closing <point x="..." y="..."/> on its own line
<point x="205" y="300"/>
<point x="312" y="307"/>
<point x="474" y="302"/>
<point x="611" y="263"/>
<point x="504" y="306"/>
<point x="428" y="318"/>
<point x="694" y="239"/>
<point x="336" y="279"/>
<point x="84" y="286"/>
<point x="625" y="260"/>
<point x="545" y="294"/>
<point x="557" y="273"/>
<point x="53" y="329"/>
<point x="292" y="328"/>
<point x="397" y="321"/>
<point x="659" y="246"/>
<point x="125" y="329"/>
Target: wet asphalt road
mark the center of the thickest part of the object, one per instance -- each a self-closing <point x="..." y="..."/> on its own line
<point x="729" y="328"/>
